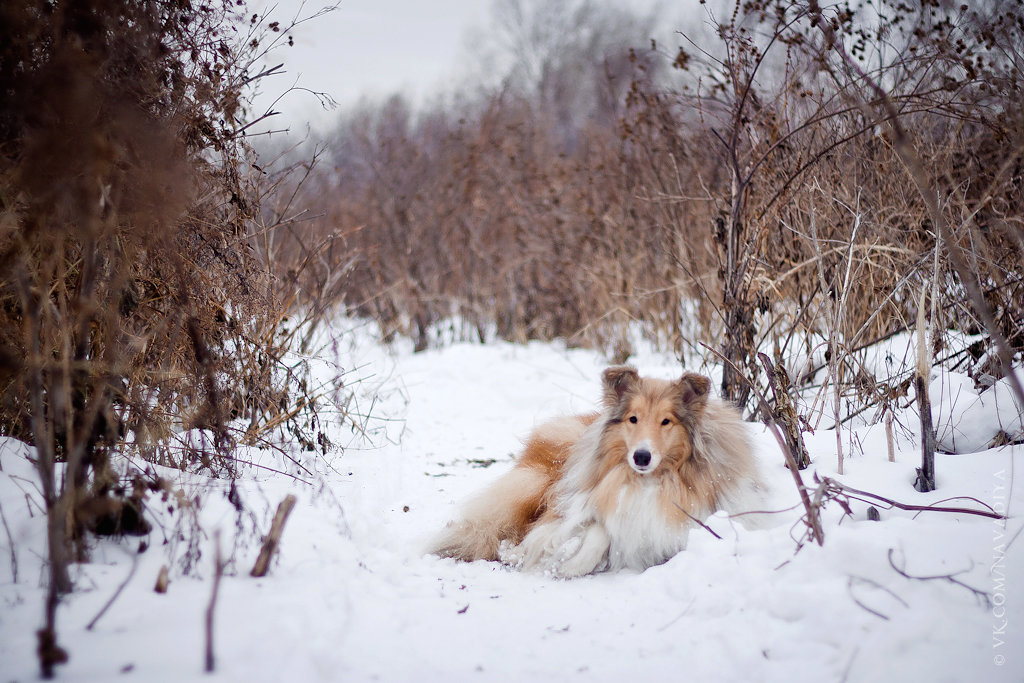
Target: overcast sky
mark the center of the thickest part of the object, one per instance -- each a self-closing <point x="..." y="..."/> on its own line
<point x="368" y="48"/>
<point x="374" y="48"/>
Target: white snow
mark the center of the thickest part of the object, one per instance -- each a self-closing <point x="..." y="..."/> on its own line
<point x="967" y="421"/>
<point x="351" y="597"/>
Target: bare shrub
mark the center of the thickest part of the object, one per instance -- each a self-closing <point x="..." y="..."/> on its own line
<point x="511" y="212"/>
<point x="816" y="235"/>
<point x="743" y="189"/>
<point x="132" y="302"/>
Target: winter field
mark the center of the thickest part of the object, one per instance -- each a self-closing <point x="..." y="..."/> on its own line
<point x="929" y="596"/>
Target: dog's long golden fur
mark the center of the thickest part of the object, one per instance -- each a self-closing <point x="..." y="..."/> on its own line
<point x="619" y="488"/>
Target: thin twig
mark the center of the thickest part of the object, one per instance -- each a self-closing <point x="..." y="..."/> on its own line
<point x="890" y="445"/>
<point x="833" y="484"/>
<point x="10" y="540"/>
<point x="117" y="593"/>
<point x="273" y="538"/>
<point x="697" y="521"/>
<point x="947" y="577"/>
<point x="680" y="616"/>
<point x="860" y="579"/>
<point x="218" y="571"/>
<point x="257" y="465"/>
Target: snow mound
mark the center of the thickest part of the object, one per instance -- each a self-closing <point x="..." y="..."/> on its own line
<point x="967" y="421"/>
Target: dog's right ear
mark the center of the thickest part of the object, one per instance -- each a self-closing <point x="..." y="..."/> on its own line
<point x="617" y="380"/>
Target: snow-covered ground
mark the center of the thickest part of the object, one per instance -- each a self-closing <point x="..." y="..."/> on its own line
<point x="351" y="597"/>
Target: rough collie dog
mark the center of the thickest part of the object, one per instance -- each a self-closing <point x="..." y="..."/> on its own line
<point x="618" y="489"/>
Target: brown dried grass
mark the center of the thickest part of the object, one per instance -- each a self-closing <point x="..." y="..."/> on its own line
<point x="133" y="304"/>
<point x="487" y="212"/>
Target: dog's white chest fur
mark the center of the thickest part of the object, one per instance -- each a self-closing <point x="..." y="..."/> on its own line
<point x="636" y="534"/>
<point x="639" y="533"/>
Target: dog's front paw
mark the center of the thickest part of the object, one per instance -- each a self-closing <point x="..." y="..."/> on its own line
<point x="543" y="548"/>
<point x="584" y="553"/>
<point x="511" y="554"/>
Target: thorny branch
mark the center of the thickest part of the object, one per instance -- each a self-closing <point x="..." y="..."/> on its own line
<point x="812" y="519"/>
<point x="832" y="489"/>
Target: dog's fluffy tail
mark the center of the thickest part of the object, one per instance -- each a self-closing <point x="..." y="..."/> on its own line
<point x="501" y="512"/>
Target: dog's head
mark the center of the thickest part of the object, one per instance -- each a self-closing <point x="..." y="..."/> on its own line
<point x="653" y="418"/>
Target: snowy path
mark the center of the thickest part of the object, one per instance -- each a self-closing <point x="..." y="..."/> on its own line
<point x="351" y="598"/>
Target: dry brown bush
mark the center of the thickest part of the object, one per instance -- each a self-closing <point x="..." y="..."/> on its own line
<point x="743" y="190"/>
<point x="132" y="302"/>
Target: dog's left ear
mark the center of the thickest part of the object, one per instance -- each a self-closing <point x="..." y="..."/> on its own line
<point x="692" y="391"/>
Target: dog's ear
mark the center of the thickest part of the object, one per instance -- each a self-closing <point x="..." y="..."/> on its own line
<point x="617" y="380"/>
<point x="692" y="391"/>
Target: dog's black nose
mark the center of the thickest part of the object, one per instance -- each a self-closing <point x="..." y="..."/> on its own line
<point x="642" y="458"/>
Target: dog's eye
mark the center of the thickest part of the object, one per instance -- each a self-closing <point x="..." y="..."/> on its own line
<point x="632" y="418"/>
<point x="666" y="422"/>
